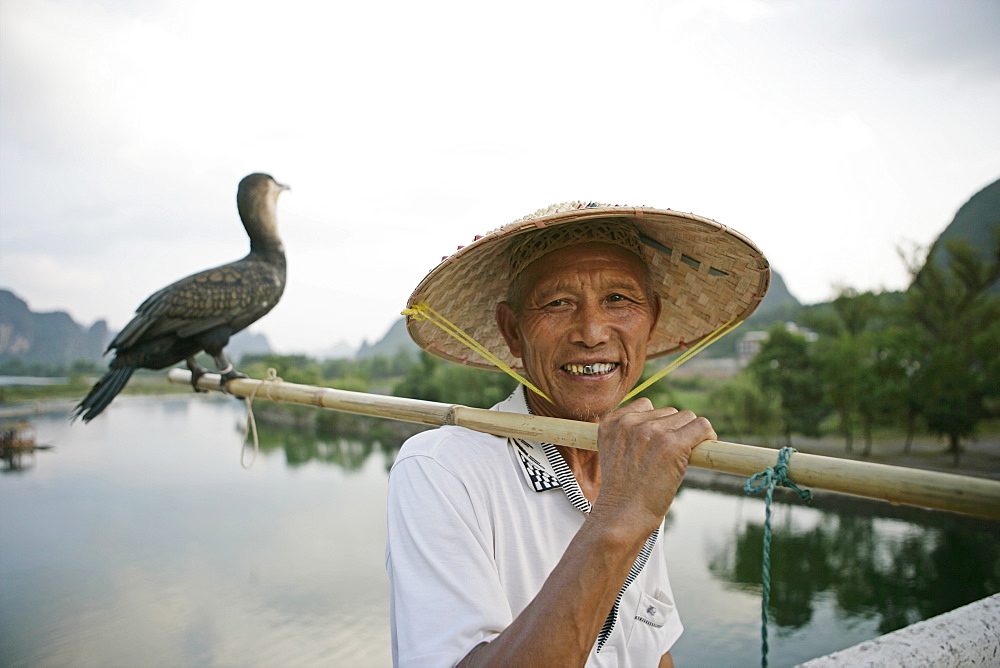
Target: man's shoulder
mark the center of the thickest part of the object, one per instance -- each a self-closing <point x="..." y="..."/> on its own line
<point x="454" y="447"/>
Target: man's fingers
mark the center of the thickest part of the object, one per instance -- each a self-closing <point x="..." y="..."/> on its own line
<point x="685" y="424"/>
<point x="700" y="429"/>
<point x="638" y="405"/>
<point x="673" y="418"/>
<point x="643" y="407"/>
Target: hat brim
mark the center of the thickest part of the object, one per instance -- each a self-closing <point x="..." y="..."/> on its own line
<point x="706" y="274"/>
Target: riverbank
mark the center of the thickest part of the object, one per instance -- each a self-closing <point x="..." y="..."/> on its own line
<point x="979" y="457"/>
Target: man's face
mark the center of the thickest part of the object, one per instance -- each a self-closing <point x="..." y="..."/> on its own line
<point x="583" y="330"/>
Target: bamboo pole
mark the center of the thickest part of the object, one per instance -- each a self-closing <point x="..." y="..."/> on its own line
<point x="895" y="484"/>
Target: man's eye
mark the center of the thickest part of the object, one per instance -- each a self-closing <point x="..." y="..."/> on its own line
<point x="557" y="302"/>
<point x="616" y="298"/>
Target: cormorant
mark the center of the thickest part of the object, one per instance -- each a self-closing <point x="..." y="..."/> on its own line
<point x="202" y="311"/>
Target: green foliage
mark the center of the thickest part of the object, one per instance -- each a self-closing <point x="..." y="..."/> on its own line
<point x="419" y="381"/>
<point x="435" y="380"/>
<point x="291" y="368"/>
<point x="786" y="366"/>
<point x="957" y="375"/>
<point x="364" y="375"/>
<point x="743" y="408"/>
<point x="840" y="360"/>
<point x="15" y="366"/>
<point x="846" y="359"/>
<point x="658" y="393"/>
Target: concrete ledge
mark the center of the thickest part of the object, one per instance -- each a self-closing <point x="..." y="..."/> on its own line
<point x="967" y="636"/>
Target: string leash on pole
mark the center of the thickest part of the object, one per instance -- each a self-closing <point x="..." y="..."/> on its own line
<point x="766" y="481"/>
<point x="251" y="428"/>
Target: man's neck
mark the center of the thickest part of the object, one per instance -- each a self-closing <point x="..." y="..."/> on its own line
<point x="586" y="468"/>
<point x="584" y="464"/>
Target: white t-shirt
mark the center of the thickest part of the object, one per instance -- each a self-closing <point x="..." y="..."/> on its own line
<point x="475" y="525"/>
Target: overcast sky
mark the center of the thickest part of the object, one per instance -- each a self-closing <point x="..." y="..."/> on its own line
<point x="830" y="133"/>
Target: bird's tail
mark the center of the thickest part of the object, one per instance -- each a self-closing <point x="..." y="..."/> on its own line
<point x="106" y="389"/>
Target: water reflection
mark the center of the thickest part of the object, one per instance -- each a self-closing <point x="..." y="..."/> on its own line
<point x="145" y="542"/>
<point x="18" y="445"/>
<point x="874" y="568"/>
<point x="889" y="571"/>
<point x="342" y="439"/>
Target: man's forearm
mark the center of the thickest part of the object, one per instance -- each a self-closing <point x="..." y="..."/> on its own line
<point x="560" y="626"/>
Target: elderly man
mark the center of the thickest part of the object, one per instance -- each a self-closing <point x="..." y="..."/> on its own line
<point x="507" y="552"/>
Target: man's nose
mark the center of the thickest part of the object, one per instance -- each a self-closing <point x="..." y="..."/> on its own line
<point x="590" y="325"/>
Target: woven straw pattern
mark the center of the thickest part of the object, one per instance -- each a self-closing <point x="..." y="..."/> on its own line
<point x="706" y="275"/>
<point x="527" y="248"/>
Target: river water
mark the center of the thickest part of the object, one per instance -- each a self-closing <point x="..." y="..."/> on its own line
<point x="139" y="539"/>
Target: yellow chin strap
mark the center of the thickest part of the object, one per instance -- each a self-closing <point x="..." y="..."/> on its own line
<point x="423" y="311"/>
<point x="688" y="354"/>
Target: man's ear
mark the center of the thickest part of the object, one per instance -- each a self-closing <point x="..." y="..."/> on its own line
<point x="507" y="322"/>
<point x="657" y="305"/>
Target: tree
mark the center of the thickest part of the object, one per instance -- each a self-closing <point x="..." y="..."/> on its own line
<point x="786" y="366"/>
<point x="959" y="321"/>
<point x="435" y="380"/>
<point x="865" y="360"/>
<point x="419" y="381"/>
<point x="841" y="363"/>
<point x="892" y="397"/>
<point x="744" y="408"/>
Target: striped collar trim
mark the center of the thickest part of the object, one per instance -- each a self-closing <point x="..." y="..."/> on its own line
<point x="542" y="464"/>
<point x="536" y="459"/>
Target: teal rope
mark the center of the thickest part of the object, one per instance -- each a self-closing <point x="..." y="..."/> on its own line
<point x="767" y="480"/>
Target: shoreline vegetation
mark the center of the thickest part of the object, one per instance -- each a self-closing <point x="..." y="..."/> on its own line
<point x="980" y="454"/>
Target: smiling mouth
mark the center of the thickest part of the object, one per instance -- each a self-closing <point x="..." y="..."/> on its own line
<point x="597" y="369"/>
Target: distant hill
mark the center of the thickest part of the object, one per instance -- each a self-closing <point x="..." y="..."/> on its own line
<point x="48" y="339"/>
<point x="338" y="351"/>
<point x="54" y="339"/>
<point x="248" y="343"/>
<point x="975" y="222"/>
<point x="778" y="304"/>
<point x="390" y="344"/>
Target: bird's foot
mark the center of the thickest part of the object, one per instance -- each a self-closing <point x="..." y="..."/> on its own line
<point x="197" y="373"/>
<point x="231" y="374"/>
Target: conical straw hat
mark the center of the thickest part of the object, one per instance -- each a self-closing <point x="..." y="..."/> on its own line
<point x="707" y="275"/>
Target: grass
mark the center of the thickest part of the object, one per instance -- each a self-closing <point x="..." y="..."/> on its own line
<point x="76" y="387"/>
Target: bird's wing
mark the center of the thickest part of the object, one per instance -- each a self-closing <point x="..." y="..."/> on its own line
<point x="231" y="293"/>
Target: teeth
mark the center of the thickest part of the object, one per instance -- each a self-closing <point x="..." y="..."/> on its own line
<point x="589" y="369"/>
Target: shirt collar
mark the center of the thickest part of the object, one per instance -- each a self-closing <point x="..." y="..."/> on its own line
<point x="542" y="464"/>
<point x="535" y="465"/>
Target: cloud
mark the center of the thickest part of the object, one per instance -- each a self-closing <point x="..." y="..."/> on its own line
<point x="958" y="35"/>
<point x="405" y="129"/>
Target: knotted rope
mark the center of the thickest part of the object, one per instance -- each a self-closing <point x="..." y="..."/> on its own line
<point x="767" y="480"/>
<point x="251" y="428"/>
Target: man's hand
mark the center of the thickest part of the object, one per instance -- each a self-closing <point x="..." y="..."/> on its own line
<point x="644" y="453"/>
